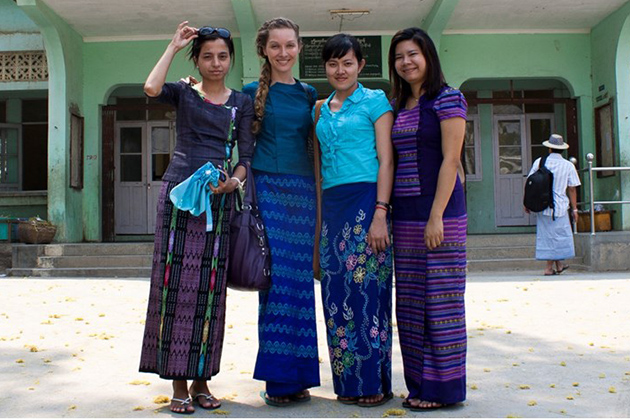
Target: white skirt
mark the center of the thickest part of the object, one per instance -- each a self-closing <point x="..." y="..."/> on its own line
<point x="554" y="238"/>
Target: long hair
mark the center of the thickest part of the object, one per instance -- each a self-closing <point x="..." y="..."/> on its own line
<point x="401" y="90"/>
<point x="265" y="71"/>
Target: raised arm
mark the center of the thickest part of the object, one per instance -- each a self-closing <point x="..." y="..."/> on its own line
<point x="183" y="35"/>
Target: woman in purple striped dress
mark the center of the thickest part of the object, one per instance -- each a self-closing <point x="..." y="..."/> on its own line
<point x="429" y="219"/>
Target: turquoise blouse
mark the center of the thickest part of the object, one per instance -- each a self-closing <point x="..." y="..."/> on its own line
<point x="347" y="138"/>
<point x="281" y="142"/>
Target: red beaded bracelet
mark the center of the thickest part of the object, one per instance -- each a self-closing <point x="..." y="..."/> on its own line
<point x="380" y="206"/>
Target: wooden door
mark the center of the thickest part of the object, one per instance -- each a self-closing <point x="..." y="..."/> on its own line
<point x="130" y="178"/>
<point x="510" y="171"/>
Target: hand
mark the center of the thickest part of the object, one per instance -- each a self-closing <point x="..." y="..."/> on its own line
<point x="190" y="80"/>
<point x="378" y="236"/>
<point x="576" y="216"/>
<point x="183" y="35"/>
<point x="434" y="233"/>
<point x="225" y="187"/>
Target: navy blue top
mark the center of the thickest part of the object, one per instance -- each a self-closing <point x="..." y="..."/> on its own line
<point x="281" y="142"/>
<point x="449" y="103"/>
<point x="203" y="128"/>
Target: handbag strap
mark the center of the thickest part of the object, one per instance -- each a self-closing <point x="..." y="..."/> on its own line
<point x="250" y="188"/>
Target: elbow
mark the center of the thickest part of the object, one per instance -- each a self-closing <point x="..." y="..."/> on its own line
<point x="151" y="90"/>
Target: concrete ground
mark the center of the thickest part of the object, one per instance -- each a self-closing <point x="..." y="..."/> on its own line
<point x="539" y="347"/>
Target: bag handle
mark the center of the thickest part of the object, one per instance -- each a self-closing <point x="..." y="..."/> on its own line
<point x="317" y="166"/>
<point x="250" y="188"/>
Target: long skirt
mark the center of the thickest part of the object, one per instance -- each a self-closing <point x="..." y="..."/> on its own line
<point x="183" y="336"/>
<point x="356" y="293"/>
<point x="430" y="310"/>
<point x="287" y="335"/>
<point x="554" y="238"/>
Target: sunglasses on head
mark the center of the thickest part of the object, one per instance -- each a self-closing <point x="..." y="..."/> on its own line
<point x="209" y="30"/>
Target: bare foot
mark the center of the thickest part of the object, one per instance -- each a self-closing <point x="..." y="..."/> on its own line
<point x="199" y="391"/>
<point x="429" y="405"/>
<point x="181" y="402"/>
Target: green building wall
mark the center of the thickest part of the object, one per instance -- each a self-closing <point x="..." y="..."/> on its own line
<point x="610" y="45"/>
<point x="84" y="75"/>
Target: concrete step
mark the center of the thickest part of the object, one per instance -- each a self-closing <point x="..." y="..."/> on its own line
<point x="90" y="261"/>
<point x="493" y="253"/>
<point x="134" y="272"/>
<point x="505" y="240"/>
<point x="99" y="249"/>
<point x="518" y="264"/>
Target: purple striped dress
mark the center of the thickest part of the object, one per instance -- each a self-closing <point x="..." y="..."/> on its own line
<point x="429" y="284"/>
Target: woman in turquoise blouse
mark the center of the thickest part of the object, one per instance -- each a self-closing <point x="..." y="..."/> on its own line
<point x="287" y="352"/>
<point x="354" y="130"/>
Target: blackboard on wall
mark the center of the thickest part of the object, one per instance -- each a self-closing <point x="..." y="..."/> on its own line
<point x="311" y="66"/>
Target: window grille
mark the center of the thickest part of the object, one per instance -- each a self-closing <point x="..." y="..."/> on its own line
<point x="23" y="66"/>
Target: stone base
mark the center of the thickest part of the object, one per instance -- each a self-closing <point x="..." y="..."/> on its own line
<point x="604" y="251"/>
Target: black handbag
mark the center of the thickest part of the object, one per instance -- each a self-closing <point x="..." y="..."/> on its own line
<point x="250" y="258"/>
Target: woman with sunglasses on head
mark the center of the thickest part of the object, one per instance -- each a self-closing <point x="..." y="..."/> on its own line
<point x="287" y="339"/>
<point x="354" y="131"/>
<point x="184" y="329"/>
<point x="429" y="220"/>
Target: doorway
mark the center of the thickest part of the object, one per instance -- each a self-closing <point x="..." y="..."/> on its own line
<point x="142" y="152"/>
<point x="516" y="143"/>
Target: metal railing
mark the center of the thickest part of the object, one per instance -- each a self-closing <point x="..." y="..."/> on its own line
<point x="591" y="202"/>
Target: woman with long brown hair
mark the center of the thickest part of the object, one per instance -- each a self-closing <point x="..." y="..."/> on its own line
<point x="287" y="340"/>
<point x="429" y="219"/>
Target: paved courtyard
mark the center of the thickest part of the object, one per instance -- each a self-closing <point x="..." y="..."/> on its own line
<point x="538" y="347"/>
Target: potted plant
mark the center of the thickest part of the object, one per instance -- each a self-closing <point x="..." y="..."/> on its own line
<point x="36" y="231"/>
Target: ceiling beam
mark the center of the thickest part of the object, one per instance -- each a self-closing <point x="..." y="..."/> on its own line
<point x="247" y="27"/>
<point x="437" y="19"/>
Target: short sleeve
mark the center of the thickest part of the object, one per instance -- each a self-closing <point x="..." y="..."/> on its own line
<point x="250" y="89"/>
<point x="450" y="103"/>
<point x="313" y="95"/>
<point x="377" y="105"/>
<point x="170" y="93"/>
<point x="246" y="140"/>
<point x="574" y="178"/>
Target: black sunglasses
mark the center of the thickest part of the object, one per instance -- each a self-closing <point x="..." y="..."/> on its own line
<point x="209" y="30"/>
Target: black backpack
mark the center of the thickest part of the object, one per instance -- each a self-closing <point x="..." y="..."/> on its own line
<point x="539" y="189"/>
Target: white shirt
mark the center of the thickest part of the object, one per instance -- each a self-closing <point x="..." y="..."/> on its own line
<point x="564" y="175"/>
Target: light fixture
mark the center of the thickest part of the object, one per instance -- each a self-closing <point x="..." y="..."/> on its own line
<point x="347" y="14"/>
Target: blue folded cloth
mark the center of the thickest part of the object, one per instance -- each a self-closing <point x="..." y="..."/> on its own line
<point x="194" y="195"/>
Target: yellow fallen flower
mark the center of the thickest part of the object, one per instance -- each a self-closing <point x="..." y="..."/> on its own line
<point x="575" y="384"/>
<point x="612" y="390"/>
<point x="19" y="361"/>
<point x="563" y="364"/>
<point x="532" y="403"/>
<point x="552" y="386"/>
<point x="161" y="399"/>
<point x="394" y="412"/>
<point x="138" y="408"/>
<point x="139" y="382"/>
<point x="570" y="397"/>
<point x="602" y="375"/>
<point x="524" y="386"/>
<point x="221" y="412"/>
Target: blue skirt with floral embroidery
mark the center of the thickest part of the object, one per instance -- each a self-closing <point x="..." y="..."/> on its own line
<point x="356" y="293"/>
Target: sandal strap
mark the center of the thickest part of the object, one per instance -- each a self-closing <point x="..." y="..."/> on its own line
<point x="206" y="396"/>
<point x="182" y="402"/>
